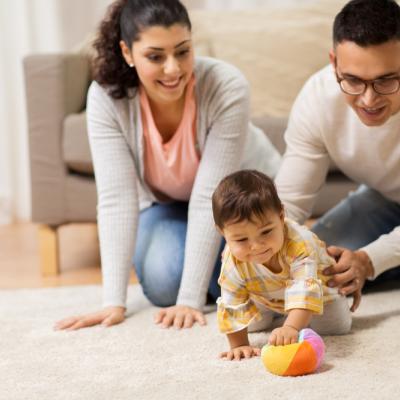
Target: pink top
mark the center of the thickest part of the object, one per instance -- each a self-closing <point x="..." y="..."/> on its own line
<point x="171" y="167"/>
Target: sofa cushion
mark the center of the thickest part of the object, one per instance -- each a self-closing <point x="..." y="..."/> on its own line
<point x="76" y="150"/>
<point x="274" y="128"/>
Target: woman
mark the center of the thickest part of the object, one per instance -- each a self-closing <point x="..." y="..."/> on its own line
<point x="164" y="129"/>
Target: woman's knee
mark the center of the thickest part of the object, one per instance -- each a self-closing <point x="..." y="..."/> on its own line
<point x="160" y="264"/>
<point x="160" y="289"/>
<point x="161" y="273"/>
<point x="160" y="278"/>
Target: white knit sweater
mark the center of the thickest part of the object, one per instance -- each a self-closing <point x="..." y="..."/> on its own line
<point x="322" y="127"/>
<point x="226" y="142"/>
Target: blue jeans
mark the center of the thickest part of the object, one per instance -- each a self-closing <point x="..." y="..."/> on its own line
<point x="160" y="251"/>
<point x="359" y="220"/>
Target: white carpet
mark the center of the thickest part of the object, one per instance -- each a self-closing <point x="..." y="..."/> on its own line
<point x="138" y="360"/>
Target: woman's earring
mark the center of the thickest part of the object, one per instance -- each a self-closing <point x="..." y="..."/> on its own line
<point x="131" y="65"/>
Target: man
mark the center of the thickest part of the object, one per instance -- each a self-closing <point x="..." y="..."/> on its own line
<point x="349" y="112"/>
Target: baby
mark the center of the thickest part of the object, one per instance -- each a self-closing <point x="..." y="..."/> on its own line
<point x="270" y="265"/>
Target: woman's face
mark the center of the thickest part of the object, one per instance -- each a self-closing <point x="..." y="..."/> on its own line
<point x="163" y="58"/>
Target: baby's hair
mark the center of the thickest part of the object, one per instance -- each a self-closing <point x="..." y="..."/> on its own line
<point x="244" y="195"/>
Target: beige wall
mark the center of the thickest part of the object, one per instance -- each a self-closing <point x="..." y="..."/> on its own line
<point x="238" y="4"/>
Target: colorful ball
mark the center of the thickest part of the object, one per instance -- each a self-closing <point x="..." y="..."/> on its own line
<point x="300" y="358"/>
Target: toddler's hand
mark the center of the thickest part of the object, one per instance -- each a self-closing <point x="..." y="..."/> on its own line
<point x="240" y="352"/>
<point x="283" y="335"/>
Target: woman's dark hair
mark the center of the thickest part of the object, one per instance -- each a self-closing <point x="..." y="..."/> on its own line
<point x="125" y="20"/>
<point x="367" y="22"/>
<point x="243" y="195"/>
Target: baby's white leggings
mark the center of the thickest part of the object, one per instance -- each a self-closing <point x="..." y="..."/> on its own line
<point x="336" y="319"/>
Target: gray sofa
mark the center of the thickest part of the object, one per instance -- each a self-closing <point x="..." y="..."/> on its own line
<point x="276" y="48"/>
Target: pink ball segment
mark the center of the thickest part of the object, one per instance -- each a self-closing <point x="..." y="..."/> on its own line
<point x="316" y="342"/>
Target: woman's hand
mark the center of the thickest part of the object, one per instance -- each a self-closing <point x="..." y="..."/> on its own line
<point x="107" y="317"/>
<point x="179" y="317"/>
<point x="282" y="336"/>
<point x="240" y="352"/>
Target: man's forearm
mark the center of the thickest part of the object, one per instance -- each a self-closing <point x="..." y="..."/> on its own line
<point x="384" y="252"/>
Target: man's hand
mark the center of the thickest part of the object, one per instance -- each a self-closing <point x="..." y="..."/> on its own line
<point x="240" y="352"/>
<point x="106" y="317"/>
<point x="179" y="317"/>
<point x="284" y="335"/>
<point x="350" y="272"/>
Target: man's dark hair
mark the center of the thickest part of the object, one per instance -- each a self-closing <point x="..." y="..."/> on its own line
<point x="367" y="22"/>
<point x="244" y="195"/>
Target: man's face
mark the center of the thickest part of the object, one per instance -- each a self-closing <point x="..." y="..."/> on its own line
<point x="369" y="63"/>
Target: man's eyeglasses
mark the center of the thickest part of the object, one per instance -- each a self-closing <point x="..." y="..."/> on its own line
<point x="356" y="86"/>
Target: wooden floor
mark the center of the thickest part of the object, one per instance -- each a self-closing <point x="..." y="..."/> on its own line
<point x="79" y="257"/>
<point x="20" y="263"/>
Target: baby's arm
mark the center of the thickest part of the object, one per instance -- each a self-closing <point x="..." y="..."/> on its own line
<point x="303" y="294"/>
<point x="235" y="310"/>
<point x="296" y="320"/>
<point x="240" y="347"/>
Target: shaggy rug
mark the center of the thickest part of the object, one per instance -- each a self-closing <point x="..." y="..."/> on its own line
<point x="138" y="360"/>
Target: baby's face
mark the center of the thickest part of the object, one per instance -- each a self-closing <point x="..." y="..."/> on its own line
<point x="257" y="240"/>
